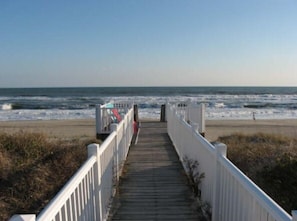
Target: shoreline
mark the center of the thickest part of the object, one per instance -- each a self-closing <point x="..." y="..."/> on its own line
<point x="86" y="128"/>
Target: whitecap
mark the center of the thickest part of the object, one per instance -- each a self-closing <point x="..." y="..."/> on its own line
<point x="6" y="107"/>
<point x="219" y="105"/>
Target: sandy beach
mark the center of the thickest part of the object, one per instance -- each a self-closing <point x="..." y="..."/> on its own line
<point x="216" y="128"/>
<point x="71" y="129"/>
<point x="64" y="129"/>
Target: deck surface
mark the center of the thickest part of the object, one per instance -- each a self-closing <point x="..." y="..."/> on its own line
<point x="153" y="185"/>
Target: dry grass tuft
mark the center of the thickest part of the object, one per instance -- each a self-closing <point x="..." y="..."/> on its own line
<point x="33" y="169"/>
<point x="270" y="161"/>
<point x="252" y="153"/>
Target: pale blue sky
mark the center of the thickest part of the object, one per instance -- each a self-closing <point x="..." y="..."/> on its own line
<point x="51" y="43"/>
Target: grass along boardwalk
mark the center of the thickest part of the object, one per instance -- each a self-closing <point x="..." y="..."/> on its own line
<point x="154" y="184"/>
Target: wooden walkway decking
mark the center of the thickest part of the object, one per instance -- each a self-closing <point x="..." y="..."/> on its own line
<point x="154" y="185"/>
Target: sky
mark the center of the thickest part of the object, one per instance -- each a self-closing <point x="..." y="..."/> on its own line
<point x="58" y="43"/>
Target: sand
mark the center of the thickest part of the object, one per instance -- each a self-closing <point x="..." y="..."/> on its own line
<point x="216" y="128"/>
<point x="65" y="129"/>
<point x="69" y="129"/>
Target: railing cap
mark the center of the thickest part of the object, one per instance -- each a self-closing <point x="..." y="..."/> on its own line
<point x="221" y="148"/>
<point x="25" y="217"/>
<point x="294" y="215"/>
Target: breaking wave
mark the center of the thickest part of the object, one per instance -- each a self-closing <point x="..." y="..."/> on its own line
<point x="6" y="107"/>
<point x="74" y="103"/>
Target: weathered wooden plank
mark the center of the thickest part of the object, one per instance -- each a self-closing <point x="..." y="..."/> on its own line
<point x="154" y="184"/>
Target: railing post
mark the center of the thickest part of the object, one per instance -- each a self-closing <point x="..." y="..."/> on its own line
<point x="202" y="119"/>
<point x="135" y="109"/>
<point x="98" y="120"/>
<point x="114" y="128"/>
<point x="163" y="113"/>
<point x="294" y="215"/>
<point x="166" y="107"/>
<point x="93" y="150"/>
<point x="221" y="151"/>
<point x="195" y="126"/>
<point x="187" y="111"/>
<point x="27" y="217"/>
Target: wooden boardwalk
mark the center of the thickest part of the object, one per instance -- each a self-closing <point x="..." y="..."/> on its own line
<point x="154" y="185"/>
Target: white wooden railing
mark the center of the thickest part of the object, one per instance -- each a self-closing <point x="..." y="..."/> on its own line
<point x="193" y="114"/>
<point x="110" y="113"/>
<point x="88" y="194"/>
<point x="232" y="195"/>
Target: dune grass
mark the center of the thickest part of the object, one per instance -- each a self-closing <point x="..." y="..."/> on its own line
<point x="33" y="168"/>
<point x="270" y="161"/>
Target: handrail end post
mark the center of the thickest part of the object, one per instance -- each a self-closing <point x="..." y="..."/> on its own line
<point x="98" y="120"/>
<point x="93" y="150"/>
<point x="221" y="151"/>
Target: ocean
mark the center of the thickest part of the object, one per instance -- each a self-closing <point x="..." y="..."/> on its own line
<point x="79" y="103"/>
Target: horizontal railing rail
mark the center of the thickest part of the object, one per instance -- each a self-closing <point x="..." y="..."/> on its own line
<point x="232" y="195"/>
<point x="88" y="194"/>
